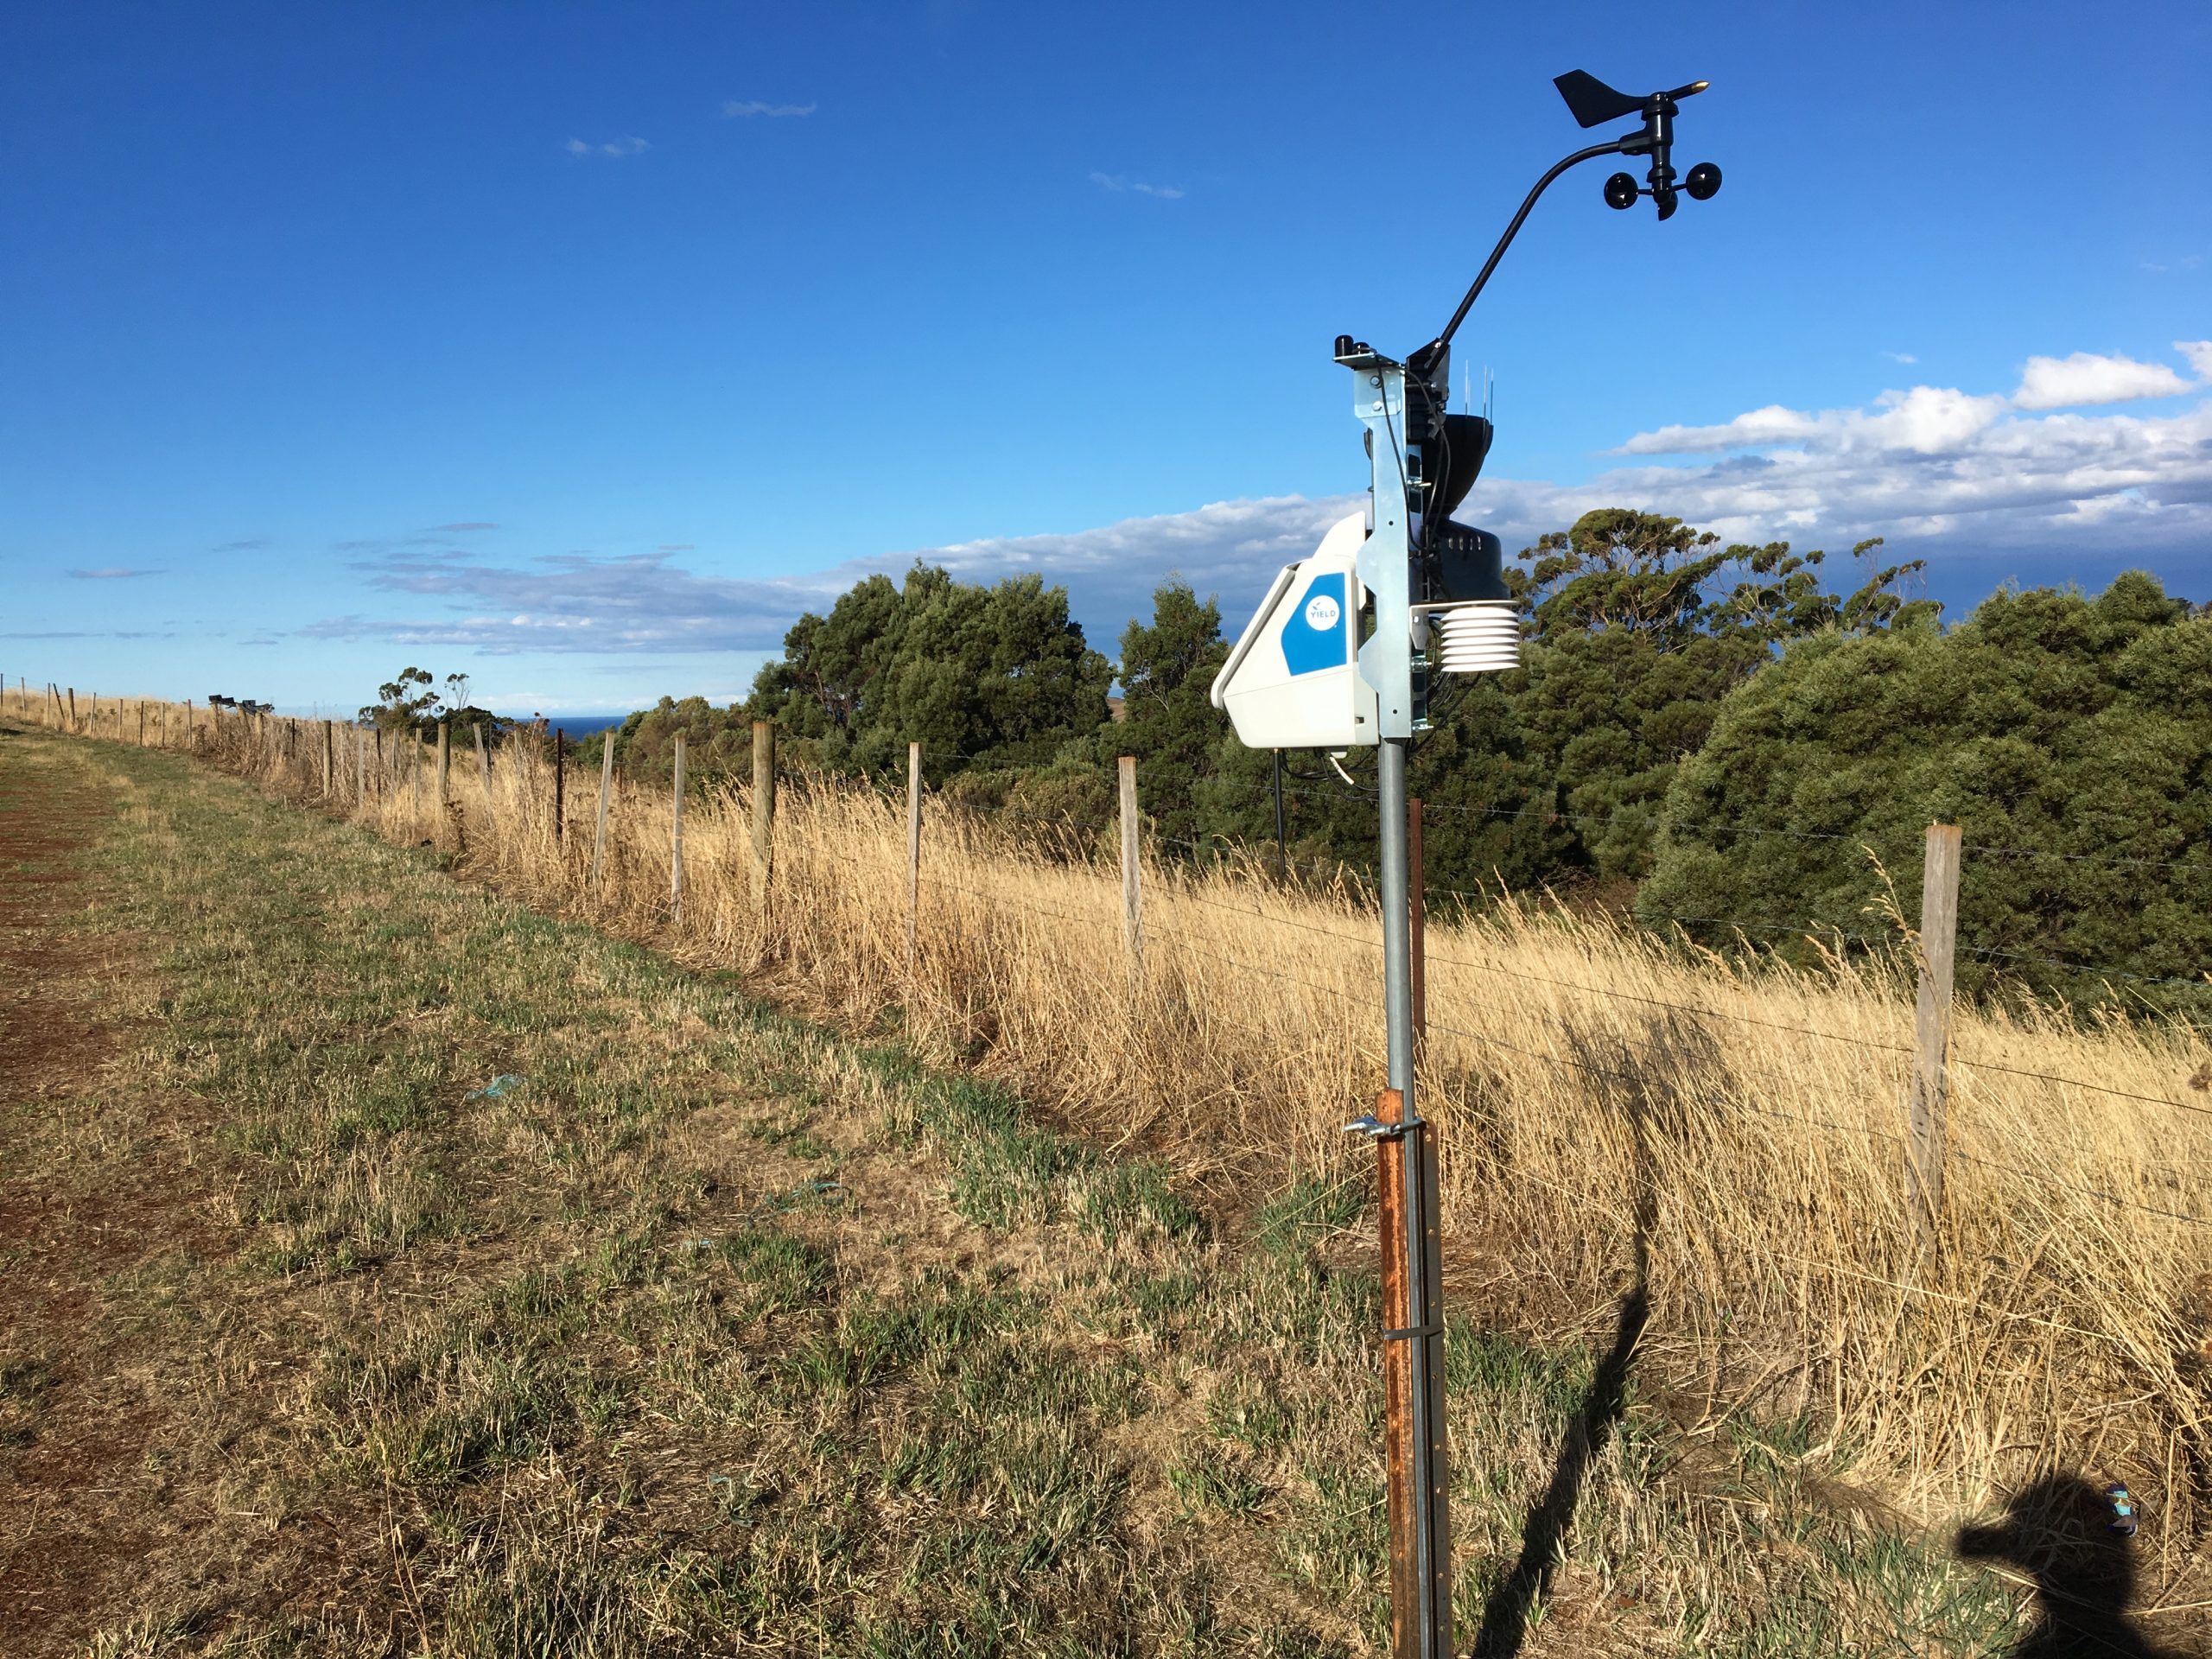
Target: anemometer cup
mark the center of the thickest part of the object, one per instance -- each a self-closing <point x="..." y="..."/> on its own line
<point x="1702" y="184"/>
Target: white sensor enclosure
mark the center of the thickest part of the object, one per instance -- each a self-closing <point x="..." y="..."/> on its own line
<point x="1292" y="681"/>
<point x="1474" y="636"/>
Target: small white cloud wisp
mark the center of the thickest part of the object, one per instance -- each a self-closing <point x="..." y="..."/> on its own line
<point x="1120" y="184"/>
<point x="741" y="108"/>
<point x="617" y="148"/>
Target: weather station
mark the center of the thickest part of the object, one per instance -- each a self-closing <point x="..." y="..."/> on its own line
<point x="1352" y="648"/>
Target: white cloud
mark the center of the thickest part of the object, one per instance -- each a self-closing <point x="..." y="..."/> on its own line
<point x="2198" y="354"/>
<point x="112" y="573"/>
<point x="1900" y="357"/>
<point x="573" y="602"/>
<point x="646" y="603"/>
<point x="1924" y="463"/>
<point x="1119" y="184"/>
<point x="2086" y="378"/>
<point x="615" y="147"/>
<point x="736" y="107"/>
<point x="1927" y="419"/>
<point x="1773" y="424"/>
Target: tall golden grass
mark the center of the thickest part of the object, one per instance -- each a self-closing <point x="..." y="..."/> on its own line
<point x="1609" y="1103"/>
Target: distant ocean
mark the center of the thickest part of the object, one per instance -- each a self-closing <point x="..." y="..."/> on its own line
<point x="570" y="725"/>
<point x="584" y="725"/>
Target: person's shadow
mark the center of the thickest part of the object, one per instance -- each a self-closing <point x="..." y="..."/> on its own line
<point x="1505" y="1613"/>
<point x="2058" y="1531"/>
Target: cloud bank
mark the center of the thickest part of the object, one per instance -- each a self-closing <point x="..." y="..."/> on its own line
<point x="1930" y="467"/>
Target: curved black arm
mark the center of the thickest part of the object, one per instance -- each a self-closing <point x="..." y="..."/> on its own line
<point x="1615" y="148"/>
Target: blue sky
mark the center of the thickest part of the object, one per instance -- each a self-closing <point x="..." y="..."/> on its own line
<point x="581" y="347"/>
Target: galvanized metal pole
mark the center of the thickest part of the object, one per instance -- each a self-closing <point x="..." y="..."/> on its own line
<point x="1282" y="859"/>
<point x="1417" y="900"/>
<point x="1421" y="1556"/>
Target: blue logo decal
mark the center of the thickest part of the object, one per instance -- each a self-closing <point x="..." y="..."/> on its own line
<point x="1315" y="636"/>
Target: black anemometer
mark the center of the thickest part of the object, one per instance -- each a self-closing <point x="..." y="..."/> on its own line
<point x="1592" y="104"/>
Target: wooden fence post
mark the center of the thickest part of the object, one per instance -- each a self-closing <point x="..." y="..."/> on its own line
<point x="605" y="789"/>
<point x="764" y="811"/>
<point x="445" y="769"/>
<point x="676" y="842"/>
<point x="913" y="850"/>
<point x="73" y="708"/>
<point x="329" y="743"/>
<point x="483" y="769"/>
<point x="1925" y="1099"/>
<point x="360" y="767"/>
<point x="1132" y="881"/>
<point x="560" y="780"/>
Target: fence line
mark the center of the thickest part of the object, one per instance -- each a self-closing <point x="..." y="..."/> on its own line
<point x="1176" y="954"/>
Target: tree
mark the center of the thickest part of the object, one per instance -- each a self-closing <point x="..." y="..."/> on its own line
<point x="1168" y="721"/>
<point x="988" y="677"/>
<point x="2071" y="739"/>
<point x="1630" y="652"/>
<point x="717" y="743"/>
<point x="408" y="703"/>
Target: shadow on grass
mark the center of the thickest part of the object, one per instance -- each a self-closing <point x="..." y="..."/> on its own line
<point x="1506" y="1615"/>
<point x="2059" y="1531"/>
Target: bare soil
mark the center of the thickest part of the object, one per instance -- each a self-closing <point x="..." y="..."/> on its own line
<point x="80" y="1408"/>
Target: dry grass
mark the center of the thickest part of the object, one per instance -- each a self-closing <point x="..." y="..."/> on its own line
<point x="1602" y="1097"/>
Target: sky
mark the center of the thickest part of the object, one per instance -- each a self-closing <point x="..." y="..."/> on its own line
<point x="582" y="348"/>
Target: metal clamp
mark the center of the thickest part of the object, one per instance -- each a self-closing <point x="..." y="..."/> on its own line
<point x="1412" y="1331"/>
<point x="1375" y="1129"/>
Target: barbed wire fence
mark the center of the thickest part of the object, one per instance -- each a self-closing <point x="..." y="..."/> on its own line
<point x="347" y="768"/>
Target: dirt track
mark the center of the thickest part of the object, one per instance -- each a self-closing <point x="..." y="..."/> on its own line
<point x="81" y="1412"/>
